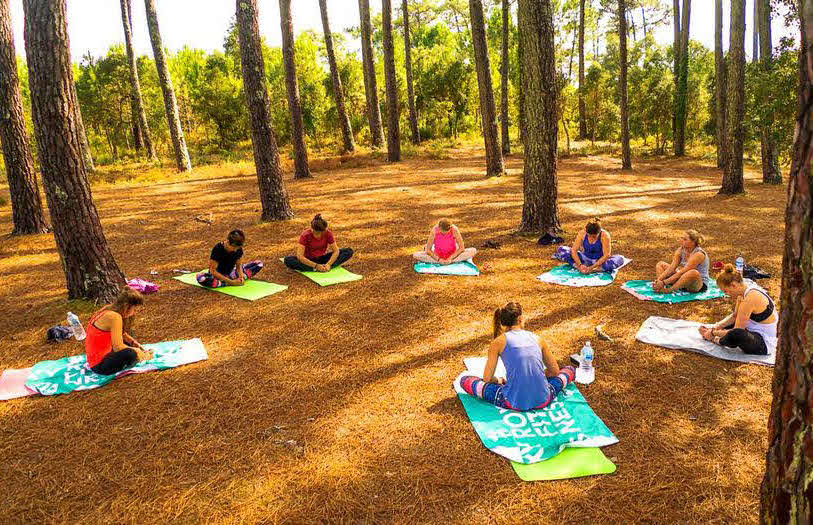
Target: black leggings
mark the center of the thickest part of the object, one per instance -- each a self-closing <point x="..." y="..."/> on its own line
<point x="295" y="264"/>
<point x="749" y="342"/>
<point x="115" y="362"/>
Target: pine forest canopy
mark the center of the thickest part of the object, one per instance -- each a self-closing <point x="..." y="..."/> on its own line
<point x="214" y="118"/>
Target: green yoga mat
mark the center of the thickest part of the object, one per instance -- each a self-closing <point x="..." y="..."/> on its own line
<point x="570" y="463"/>
<point x="336" y="275"/>
<point x="250" y="291"/>
<point x="643" y="290"/>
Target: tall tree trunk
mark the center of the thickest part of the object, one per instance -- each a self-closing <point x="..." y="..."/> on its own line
<point x="539" y="209"/>
<point x="504" y="80"/>
<point x="676" y="47"/>
<point x="582" y="107"/>
<point x="683" y="82"/>
<point x="138" y="142"/>
<point x="521" y="96"/>
<point x="301" y="169"/>
<point x="488" y="111"/>
<point x="735" y="103"/>
<point x="26" y="206"/>
<point x="348" y="144"/>
<point x="391" y="81"/>
<point x="786" y="488"/>
<point x="90" y="270"/>
<point x="274" y="198"/>
<point x="755" y="36"/>
<point x="170" y="103"/>
<point x="626" y="161"/>
<point x="413" y="112"/>
<point x="719" y="84"/>
<point x="771" y="174"/>
<point x="139" y="116"/>
<point x="370" y="82"/>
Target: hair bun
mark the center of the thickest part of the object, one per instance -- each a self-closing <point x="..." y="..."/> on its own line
<point x="729" y="268"/>
<point x="317" y="216"/>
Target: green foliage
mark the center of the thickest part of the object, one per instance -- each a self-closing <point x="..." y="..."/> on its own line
<point x="214" y="117"/>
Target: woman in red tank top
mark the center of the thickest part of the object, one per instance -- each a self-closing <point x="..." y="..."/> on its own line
<point x="108" y="346"/>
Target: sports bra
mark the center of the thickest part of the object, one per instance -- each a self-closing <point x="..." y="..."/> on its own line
<point x="767" y="312"/>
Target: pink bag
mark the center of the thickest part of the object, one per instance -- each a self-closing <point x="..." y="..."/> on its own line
<point x="142" y="286"/>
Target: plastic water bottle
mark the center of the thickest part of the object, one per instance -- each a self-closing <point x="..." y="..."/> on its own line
<point x="586" y="374"/>
<point x="76" y="326"/>
<point x="739" y="263"/>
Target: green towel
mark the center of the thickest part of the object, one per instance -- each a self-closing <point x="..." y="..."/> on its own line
<point x="572" y="462"/>
<point x="70" y="374"/>
<point x="643" y="290"/>
<point x="536" y="435"/>
<point x="251" y="289"/>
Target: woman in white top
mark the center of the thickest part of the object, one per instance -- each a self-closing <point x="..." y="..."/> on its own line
<point x="751" y="327"/>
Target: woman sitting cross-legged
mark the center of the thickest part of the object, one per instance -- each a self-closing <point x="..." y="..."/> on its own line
<point x="689" y="270"/>
<point x="534" y="378"/>
<point x="317" y="249"/>
<point x="751" y="327"/>
<point x="445" y="245"/>
<point x="592" y="251"/>
<point x="226" y="266"/>
<point x="108" y="346"/>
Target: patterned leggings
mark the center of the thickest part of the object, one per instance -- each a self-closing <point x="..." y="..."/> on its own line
<point x="250" y="269"/>
<point x="492" y="392"/>
<point x="564" y="254"/>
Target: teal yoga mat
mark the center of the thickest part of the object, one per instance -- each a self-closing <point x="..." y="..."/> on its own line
<point x="643" y="290"/>
<point x="336" y="275"/>
<point x="69" y="374"/>
<point x="569" y="463"/>
<point x="534" y="435"/>
<point x="250" y="291"/>
<point x="566" y="275"/>
<point x="460" y="268"/>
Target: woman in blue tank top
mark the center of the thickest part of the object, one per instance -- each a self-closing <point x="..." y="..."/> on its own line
<point x="534" y="379"/>
<point x="592" y="251"/>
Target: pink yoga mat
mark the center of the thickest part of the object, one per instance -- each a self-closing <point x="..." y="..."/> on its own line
<point x="12" y="383"/>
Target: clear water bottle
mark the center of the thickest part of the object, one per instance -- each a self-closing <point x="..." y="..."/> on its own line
<point x="586" y="374"/>
<point x="76" y="326"/>
<point x="739" y="263"/>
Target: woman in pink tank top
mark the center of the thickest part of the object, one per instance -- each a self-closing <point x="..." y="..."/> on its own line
<point x="444" y="246"/>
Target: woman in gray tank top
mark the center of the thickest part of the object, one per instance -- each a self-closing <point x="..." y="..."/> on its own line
<point x="689" y="269"/>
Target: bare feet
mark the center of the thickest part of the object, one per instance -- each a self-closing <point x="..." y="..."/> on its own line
<point x="705" y="331"/>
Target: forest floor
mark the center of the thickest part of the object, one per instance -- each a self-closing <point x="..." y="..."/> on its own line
<point x="360" y="374"/>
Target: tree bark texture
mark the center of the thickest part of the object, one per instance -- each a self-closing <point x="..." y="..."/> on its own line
<point x="87" y="156"/>
<point x="142" y="133"/>
<point x="539" y="210"/>
<point x="626" y="157"/>
<point x="787" y="488"/>
<point x="370" y="82"/>
<point x="771" y="174"/>
<point x="348" y="144"/>
<point x="301" y="168"/>
<point x="488" y="110"/>
<point x="719" y="84"/>
<point x="26" y="207"/>
<point x="391" y="81"/>
<point x="683" y="82"/>
<point x="735" y="101"/>
<point x="273" y="197"/>
<point x="582" y="107"/>
<point x="170" y="103"/>
<point x="413" y="112"/>
<point x="755" y="36"/>
<point x="90" y="270"/>
<point x="138" y="142"/>
<point x="504" y="80"/>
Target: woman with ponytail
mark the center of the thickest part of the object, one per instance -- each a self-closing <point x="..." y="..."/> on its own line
<point x="592" y="251"/>
<point x="317" y="249"/>
<point x="689" y="269"/>
<point x="108" y="346"/>
<point x="534" y="378"/>
<point x="751" y="327"/>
